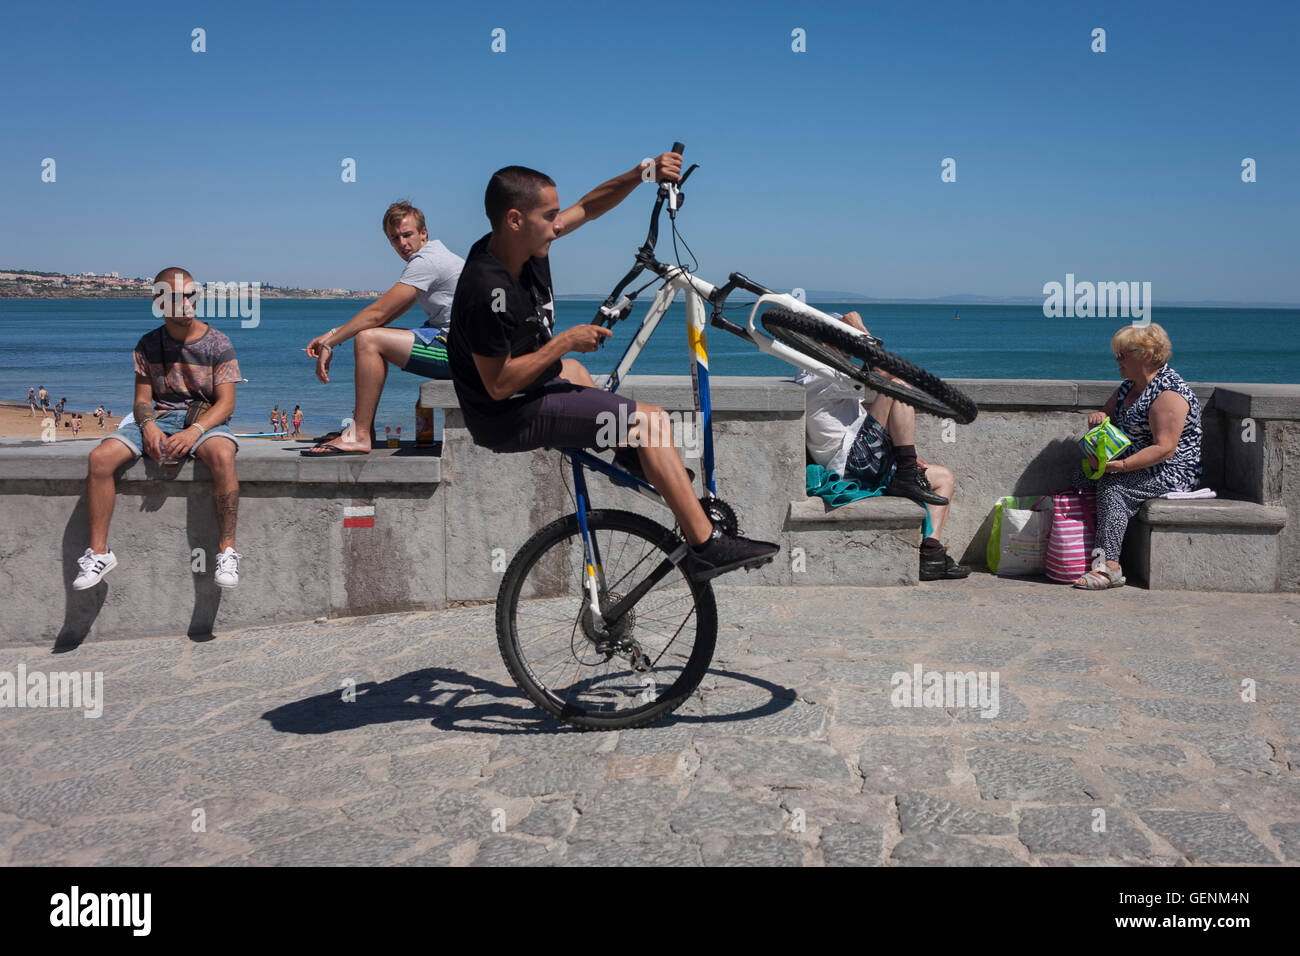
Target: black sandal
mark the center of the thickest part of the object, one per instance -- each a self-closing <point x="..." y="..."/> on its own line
<point x="330" y="436"/>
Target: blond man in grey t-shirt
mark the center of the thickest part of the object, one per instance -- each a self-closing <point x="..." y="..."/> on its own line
<point x="429" y="278"/>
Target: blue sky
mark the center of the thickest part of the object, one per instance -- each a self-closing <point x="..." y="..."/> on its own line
<point x="819" y="169"/>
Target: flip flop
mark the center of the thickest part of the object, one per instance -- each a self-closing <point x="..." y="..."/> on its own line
<point x="330" y="436"/>
<point x="328" y="451"/>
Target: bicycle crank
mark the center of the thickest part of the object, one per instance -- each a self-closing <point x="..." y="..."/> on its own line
<point x="721" y="514"/>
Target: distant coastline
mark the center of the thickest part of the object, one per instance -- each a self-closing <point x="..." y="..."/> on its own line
<point x="34" y="284"/>
<point x="29" y="284"/>
<point x="123" y="294"/>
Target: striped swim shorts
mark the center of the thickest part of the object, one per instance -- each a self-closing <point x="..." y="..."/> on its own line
<point x="429" y="354"/>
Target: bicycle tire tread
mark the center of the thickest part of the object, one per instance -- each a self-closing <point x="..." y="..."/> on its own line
<point x="567" y="526"/>
<point x="947" y="400"/>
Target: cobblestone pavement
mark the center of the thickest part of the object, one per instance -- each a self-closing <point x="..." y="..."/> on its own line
<point x="1121" y="737"/>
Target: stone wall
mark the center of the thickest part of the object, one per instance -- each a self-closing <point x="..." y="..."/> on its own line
<point x="445" y="527"/>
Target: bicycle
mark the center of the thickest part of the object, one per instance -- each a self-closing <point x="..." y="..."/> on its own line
<point x="598" y="622"/>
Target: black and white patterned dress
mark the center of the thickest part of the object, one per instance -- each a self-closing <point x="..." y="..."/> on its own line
<point x="1119" y="496"/>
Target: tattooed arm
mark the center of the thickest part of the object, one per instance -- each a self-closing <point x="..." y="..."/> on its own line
<point x="144" y="417"/>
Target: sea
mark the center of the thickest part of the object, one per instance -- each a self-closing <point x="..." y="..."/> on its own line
<point x="81" y="349"/>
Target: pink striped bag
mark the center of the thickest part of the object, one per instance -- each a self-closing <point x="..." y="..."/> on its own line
<point x="1073" y="535"/>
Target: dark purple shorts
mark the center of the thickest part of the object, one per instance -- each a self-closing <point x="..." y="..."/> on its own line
<point x="564" y="415"/>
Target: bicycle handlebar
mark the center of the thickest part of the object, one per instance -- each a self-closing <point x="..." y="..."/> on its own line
<point x="617" y="306"/>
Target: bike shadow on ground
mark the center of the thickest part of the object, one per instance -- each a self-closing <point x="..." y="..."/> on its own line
<point x="450" y="699"/>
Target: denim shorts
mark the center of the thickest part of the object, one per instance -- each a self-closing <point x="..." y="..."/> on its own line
<point x="129" y="434"/>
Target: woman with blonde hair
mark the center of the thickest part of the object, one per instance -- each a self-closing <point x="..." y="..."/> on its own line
<point x="1155" y="408"/>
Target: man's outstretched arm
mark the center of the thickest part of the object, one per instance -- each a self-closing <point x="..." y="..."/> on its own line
<point x="381" y="312"/>
<point x="668" y="168"/>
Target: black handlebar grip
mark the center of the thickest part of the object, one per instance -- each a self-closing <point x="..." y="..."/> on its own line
<point x="678" y="148"/>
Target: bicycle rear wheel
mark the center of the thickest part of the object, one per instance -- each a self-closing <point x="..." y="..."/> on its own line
<point x="838" y="347"/>
<point x="647" y="663"/>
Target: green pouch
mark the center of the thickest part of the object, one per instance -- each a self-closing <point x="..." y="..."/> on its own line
<point x="1104" y="443"/>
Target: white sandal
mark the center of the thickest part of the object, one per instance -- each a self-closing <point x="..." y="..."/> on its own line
<point x="1101" y="577"/>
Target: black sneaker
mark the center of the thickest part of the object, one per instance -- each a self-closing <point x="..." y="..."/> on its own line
<point x="630" y="461"/>
<point x="912" y="483"/>
<point x="723" y="553"/>
<point x="939" y="566"/>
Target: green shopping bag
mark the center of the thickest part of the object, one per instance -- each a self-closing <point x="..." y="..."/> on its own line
<point x="1018" y="542"/>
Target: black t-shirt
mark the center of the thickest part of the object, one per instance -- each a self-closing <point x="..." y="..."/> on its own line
<point x="494" y="314"/>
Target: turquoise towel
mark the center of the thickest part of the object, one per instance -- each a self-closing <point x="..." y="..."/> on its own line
<point x="836" y="491"/>
<point x="833" y="489"/>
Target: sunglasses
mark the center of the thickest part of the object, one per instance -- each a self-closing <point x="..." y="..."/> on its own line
<point x="1119" y="356"/>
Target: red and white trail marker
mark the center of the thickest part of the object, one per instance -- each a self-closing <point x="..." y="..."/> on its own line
<point x="358" y="516"/>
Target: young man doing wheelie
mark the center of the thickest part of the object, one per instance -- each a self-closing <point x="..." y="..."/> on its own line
<point x="516" y="390"/>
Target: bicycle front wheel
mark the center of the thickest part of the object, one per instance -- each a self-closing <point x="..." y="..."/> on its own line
<point x="635" y="670"/>
<point x="839" y="347"/>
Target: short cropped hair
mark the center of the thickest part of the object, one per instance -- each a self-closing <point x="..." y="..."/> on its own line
<point x="398" y="211"/>
<point x="513" y="187"/>
<point x="166" y="275"/>
<point x="1151" y="341"/>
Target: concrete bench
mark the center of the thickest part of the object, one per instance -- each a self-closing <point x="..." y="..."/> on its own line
<point x="1211" y="544"/>
<point x="871" y="542"/>
<point x="302" y="557"/>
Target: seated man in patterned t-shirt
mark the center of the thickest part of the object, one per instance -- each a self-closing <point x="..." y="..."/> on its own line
<point x="181" y="363"/>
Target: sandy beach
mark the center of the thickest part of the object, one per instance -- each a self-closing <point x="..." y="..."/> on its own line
<point x="16" y="421"/>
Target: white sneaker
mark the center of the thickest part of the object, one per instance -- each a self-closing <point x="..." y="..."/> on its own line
<point x="93" y="568"/>
<point x="227" y="574"/>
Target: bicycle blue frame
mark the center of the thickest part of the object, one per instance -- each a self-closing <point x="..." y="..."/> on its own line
<point x="696" y="338"/>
